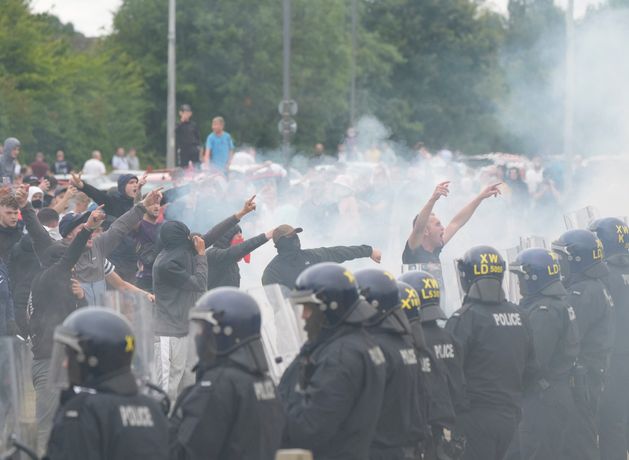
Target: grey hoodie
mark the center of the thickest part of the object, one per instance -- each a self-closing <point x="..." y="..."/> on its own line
<point x="7" y="162"/>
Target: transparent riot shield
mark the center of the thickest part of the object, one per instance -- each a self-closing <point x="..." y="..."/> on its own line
<point x="528" y="242"/>
<point x="282" y="329"/>
<point x="139" y="312"/>
<point x="17" y="400"/>
<point x="512" y="286"/>
<point x="581" y="218"/>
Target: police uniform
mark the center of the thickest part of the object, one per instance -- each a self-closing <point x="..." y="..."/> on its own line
<point x="332" y="395"/>
<point x="402" y="423"/>
<point x="498" y="356"/>
<point x="111" y="420"/>
<point x="230" y="413"/>
<point x="614" y="407"/>
<point x="549" y="402"/>
<point x="593" y="309"/>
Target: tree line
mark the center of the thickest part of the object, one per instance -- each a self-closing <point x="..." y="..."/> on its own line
<point x="448" y="73"/>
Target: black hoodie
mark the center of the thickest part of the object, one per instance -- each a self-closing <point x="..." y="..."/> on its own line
<point x="23" y="267"/>
<point x="52" y="295"/>
<point x="179" y="279"/>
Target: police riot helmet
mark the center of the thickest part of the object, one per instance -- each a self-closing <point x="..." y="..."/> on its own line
<point x="614" y="234"/>
<point x="481" y="271"/>
<point x="580" y="251"/>
<point x="97" y="342"/>
<point x="334" y="291"/>
<point x="538" y="271"/>
<point x="429" y="293"/>
<point x="409" y="301"/>
<point x="379" y="289"/>
<point x="232" y="316"/>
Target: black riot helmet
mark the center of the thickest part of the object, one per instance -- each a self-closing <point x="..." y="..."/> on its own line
<point x="409" y="301"/>
<point x="224" y="321"/>
<point x="580" y="252"/>
<point x="379" y="289"/>
<point x="333" y="290"/>
<point x="614" y="234"/>
<point x="538" y="271"/>
<point x="97" y="342"/>
<point x="481" y="271"/>
<point x="429" y="292"/>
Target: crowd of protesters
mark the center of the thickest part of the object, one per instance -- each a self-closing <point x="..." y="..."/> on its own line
<point x="63" y="246"/>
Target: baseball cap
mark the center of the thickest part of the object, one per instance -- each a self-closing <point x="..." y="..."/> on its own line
<point x="285" y="230"/>
<point x="71" y="221"/>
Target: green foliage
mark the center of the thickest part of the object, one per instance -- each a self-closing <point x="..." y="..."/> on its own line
<point x="59" y="90"/>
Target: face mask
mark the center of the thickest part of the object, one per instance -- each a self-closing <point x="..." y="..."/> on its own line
<point x="314" y="324"/>
<point x="288" y="244"/>
<point x="37" y="204"/>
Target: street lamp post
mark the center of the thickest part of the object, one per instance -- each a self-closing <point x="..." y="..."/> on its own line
<point x="170" y="116"/>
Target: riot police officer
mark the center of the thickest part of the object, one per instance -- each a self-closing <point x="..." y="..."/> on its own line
<point x="614" y="408"/>
<point x="332" y="392"/>
<point x="498" y="355"/>
<point x="102" y="416"/>
<point x="548" y="403"/>
<point x="439" y="407"/>
<point x="581" y="258"/>
<point x="401" y="425"/>
<point x="232" y="411"/>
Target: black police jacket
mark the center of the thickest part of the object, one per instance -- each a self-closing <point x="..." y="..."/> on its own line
<point x="593" y="307"/>
<point x="401" y="425"/>
<point x="228" y="414"/>
<point x="555" y="336"/>
<point x="447" y="351"/>
<point x="286" y="266"/>
<point x="332" y="395"/>
<point x="110" y="421"/>
<point x="617" y="283"/>
<point x="498" y="354"/>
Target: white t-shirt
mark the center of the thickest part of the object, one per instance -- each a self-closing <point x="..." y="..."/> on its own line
<point x="119" y="163"/>
<point x="94" y="167"/>
<point x="533" y="179"/>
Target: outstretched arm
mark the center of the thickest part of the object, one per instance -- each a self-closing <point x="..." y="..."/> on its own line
<point x="219" y="229"/>
<point x="416" y="237"/>
<point x="468" y="211"/>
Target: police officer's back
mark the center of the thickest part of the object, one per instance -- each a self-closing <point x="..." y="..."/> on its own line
<point x="232" y="411"/>
<point x="332" y="393"/>
<point x="581" y="257"/>
<point x="614" y="407"/>
<point x="438" y="407"/>
<point x="102" y="416"/>
<point x="548" y="403"/>
<point x="401" y="424"/>
<point x="498" y="355"/>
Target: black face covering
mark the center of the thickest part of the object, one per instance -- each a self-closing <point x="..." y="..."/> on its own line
<point x="288" y="244"/>
<point x="314" y="324"/>
<point x="37" y="204"/>
<point x="205" y="343"/>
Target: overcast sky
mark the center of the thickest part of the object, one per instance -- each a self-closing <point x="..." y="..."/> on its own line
<point x="94" y="17"/>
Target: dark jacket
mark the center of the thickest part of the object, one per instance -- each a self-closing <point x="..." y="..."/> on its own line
<point x="229" y="414"/>
<point x="116" y="203"/>
<point x="147" y="247"/>
<point x="498" y="354"/>
<point x="222" y="263"/>
<point x="52" y="297"/>
<point x="555" y="335"/>
<point x="179" y="280"/>
<point x="286" y="266"/>
<point x="593" y="308"/>
<point x="617" y="283"/>
<point x="111" y="421"/>
<point x="447" y="351"/>
<point x="23" y="267"/>
<point x="7" y="317"/>
<point x="9" y="237"/>
<point x="401" y="424"/>
<point x="332" y="395"/>
<point x="188" y="143"/>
